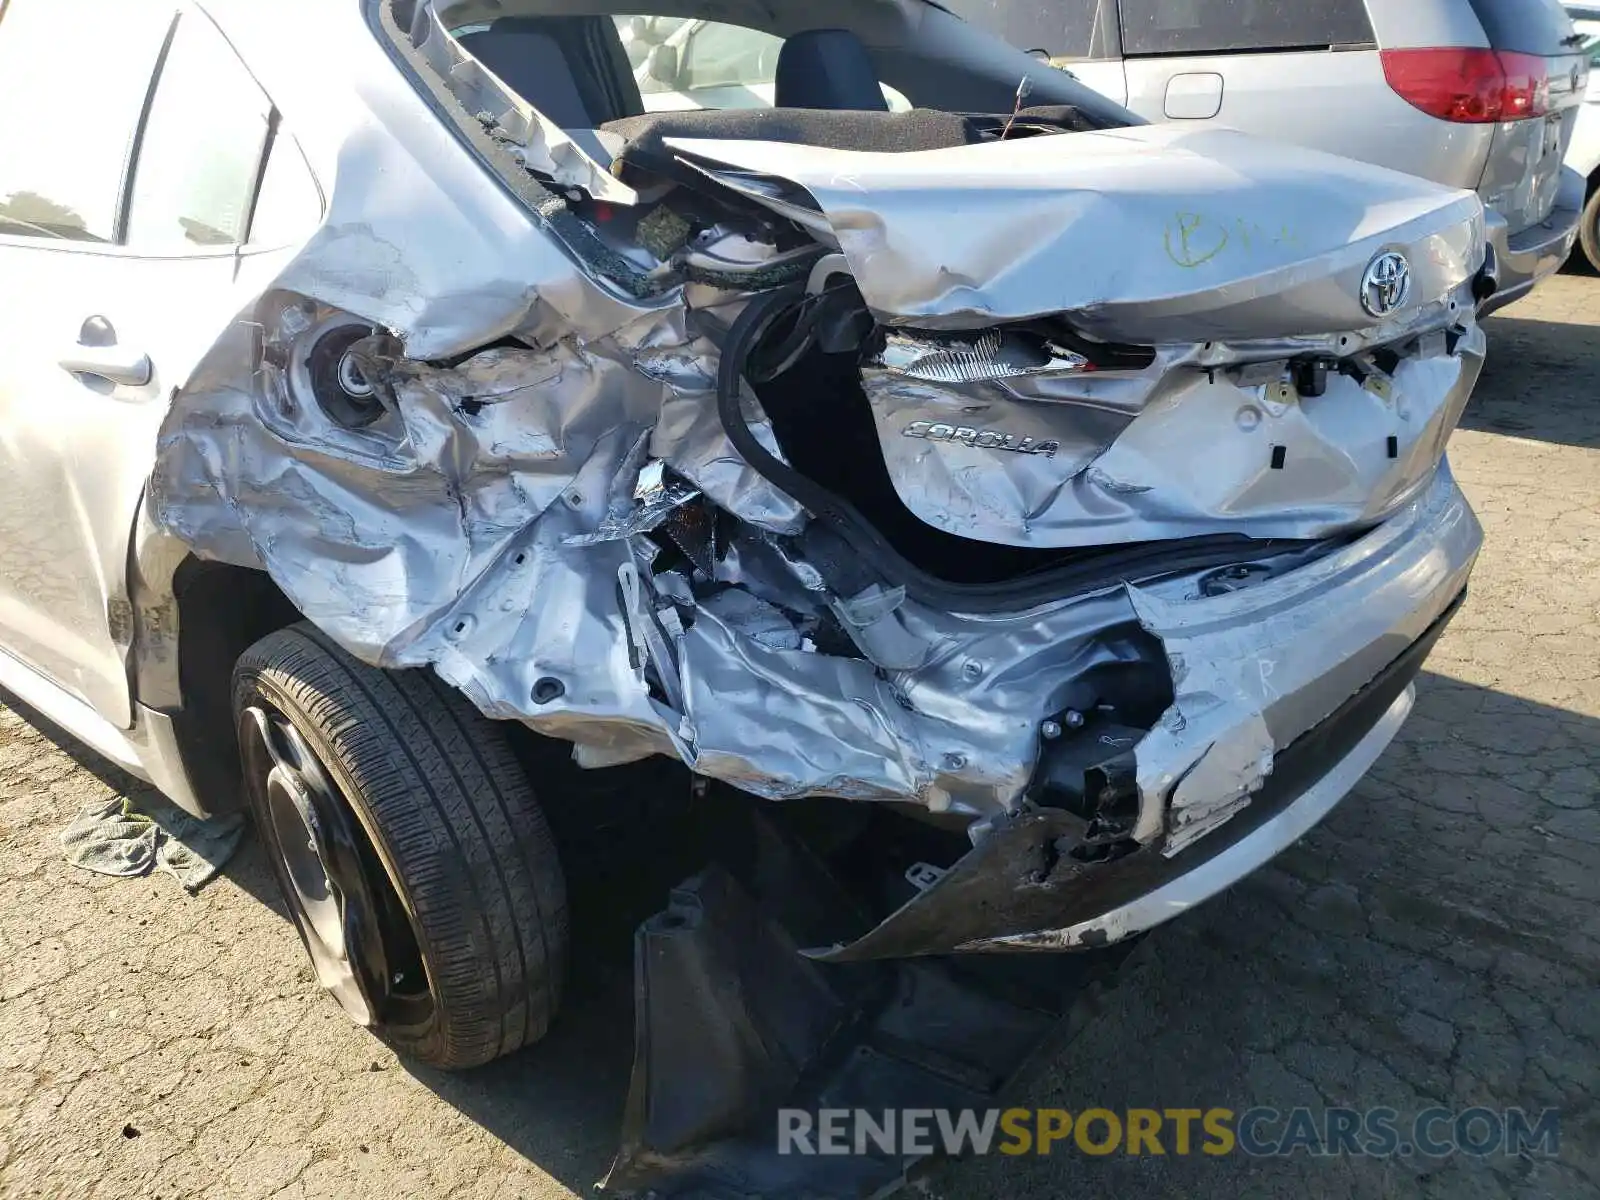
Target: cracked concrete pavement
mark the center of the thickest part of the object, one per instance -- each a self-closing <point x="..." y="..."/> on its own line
<point x="1435" y="942"/>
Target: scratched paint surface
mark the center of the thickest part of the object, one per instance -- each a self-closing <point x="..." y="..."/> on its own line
<point x="1193" y="239"/>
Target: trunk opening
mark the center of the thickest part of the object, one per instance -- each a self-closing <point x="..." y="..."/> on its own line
<point x="836" y="470"/>
<point x="821" y="417"/>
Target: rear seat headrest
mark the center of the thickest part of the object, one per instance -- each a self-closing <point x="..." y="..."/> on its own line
<point x="827" y="68"/>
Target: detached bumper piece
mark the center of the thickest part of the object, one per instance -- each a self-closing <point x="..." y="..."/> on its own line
<point x="733" y="1022"/>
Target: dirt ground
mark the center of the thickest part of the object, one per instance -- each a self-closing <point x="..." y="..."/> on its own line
<point x="1436" y="941"/>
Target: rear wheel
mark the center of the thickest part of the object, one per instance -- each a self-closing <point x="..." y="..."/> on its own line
<point x="1589" y="230"/>
<point x="416" y="864"/>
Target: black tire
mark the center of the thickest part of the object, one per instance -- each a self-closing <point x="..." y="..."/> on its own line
<point x="1589" y="230"/>
<point x="461" y="871"/>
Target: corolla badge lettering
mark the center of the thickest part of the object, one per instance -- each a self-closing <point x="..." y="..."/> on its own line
<point x="1386" y="285"/>
<point x="983" y="439"/>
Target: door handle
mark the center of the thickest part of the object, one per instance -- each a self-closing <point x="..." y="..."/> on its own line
<point x="97" y="353"/>
<point x="116" y="363"/>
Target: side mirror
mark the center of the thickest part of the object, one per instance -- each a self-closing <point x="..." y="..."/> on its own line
<point x="662" y="65"/>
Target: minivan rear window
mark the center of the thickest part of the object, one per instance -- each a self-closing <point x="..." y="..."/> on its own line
<point x="1526" y="26"/>
<point x="1224" y="26"/>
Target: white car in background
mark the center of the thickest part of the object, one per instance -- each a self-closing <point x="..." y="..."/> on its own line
<point x="1583" y="156"/>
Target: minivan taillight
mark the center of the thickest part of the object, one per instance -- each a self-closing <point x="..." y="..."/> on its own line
<point x="1472" y="87"/>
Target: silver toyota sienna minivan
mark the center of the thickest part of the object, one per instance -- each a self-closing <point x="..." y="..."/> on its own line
<point x="1476" y="94"/>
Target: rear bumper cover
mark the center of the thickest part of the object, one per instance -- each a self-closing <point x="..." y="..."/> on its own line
<point x="1284" y="819"/>
<point x="1308" y="780"/>
<point x="1287" y="693"/>
<point x="1527" y="257"/>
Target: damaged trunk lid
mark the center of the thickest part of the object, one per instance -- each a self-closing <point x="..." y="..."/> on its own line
<point x="1140" y="334"/>
<point x="1147" y="234"/>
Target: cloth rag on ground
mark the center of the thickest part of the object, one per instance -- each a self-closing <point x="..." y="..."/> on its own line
<point x="113" y="837"/>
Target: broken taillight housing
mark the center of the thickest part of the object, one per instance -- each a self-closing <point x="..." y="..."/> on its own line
<point x="1470" y="86"/>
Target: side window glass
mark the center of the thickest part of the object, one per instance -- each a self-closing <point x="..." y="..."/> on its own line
<point x="717" y="55"/>
<point x="681" y="63"/>
<point x="1590" y="32"/>
<point x="198" y="161"/>
<point x="1220" y="26"/>
<point x="1054" y="28"/>
<point x="289" y="204"/>
<point x="60" y="174"/>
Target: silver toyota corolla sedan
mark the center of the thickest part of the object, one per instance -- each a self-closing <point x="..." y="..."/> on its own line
<point x="380" y="382"/>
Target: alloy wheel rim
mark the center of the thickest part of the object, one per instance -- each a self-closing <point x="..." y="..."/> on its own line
<point x="362" y="949"/>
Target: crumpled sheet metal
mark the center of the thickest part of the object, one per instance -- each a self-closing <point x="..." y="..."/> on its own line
<point x="451" y="292"/>
<point x="775" y="720"/>
<point x="376" y="532"/>
<point x="1254" y="669"/>
<point x="459" y="529"/>
<point x="1256" y="673"/>
<point x="452" y="532"/>
<point x="412" y="240"/>
<point x="959" y="732"/>
<point x="688" y="433"/>
<point x="1149" y="234"/>
<point x="1128" y="447"/>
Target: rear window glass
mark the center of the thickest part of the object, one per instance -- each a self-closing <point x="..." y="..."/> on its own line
<point x="1220" y="26"/>
<point x="1528" y="26"/>
<point x="1059" y="28"/>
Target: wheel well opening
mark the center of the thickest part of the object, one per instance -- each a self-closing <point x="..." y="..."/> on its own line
<point x="222" y="611"/>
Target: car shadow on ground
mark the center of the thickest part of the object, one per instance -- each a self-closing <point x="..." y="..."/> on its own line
<point x="1529" y="362"/>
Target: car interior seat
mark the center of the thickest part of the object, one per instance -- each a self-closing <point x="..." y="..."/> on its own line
<point x="572" y="69"/>
<point x="827" y="68"/>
